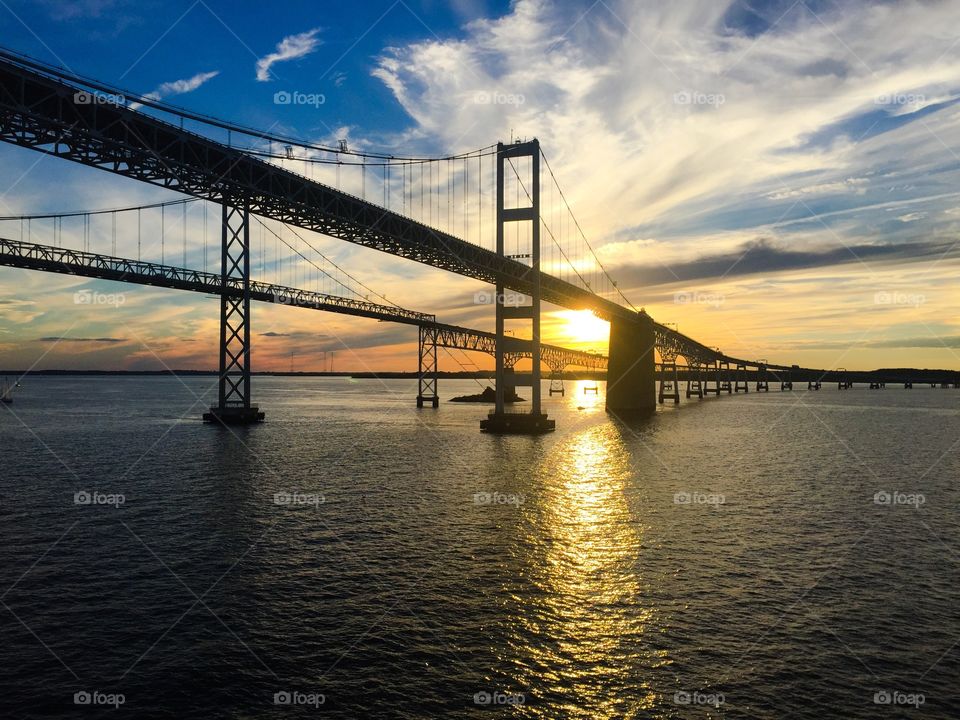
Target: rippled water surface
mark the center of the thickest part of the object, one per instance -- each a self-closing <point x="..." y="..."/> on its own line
<point x="728" y="558"/>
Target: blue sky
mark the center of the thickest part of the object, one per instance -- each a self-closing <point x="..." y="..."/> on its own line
<point x="779" y="178"/>
<point x="142" y="44"/>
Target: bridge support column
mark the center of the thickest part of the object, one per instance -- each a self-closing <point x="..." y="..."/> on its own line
<point x="556" y="380"/>
<point x="740" y="379"/>
<point x="233" y="402"/>
<point x="499" y="421"/>
<point x="631" y="367"/>
<point x="695" y="380"/>
<point x="669" y="381"/>
<point x="763" y="382"/>
<point x="427" y="391"/>
<point x="786" y="381"/>
<point x="724" y="375"/>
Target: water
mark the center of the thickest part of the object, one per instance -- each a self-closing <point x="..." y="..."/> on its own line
<point x="725" y="559"/>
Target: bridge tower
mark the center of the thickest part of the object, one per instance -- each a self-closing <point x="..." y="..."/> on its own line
<point x="499" y="421"/>
<point x="427" y="392"/>
<point x="233" y="401"/>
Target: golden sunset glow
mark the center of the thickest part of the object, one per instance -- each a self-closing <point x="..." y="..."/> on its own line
<point x="582" y="326"/>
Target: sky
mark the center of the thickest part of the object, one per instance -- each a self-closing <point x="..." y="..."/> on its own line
<point x="779" y="179"/>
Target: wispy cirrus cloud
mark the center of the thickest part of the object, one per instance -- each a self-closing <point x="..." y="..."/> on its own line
<point x="178" y="87"/>
<point x="290" y="48"/>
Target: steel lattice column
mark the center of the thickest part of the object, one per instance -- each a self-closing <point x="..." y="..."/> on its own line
<point x="233" y="406"/>
<point x="428" y="367"/>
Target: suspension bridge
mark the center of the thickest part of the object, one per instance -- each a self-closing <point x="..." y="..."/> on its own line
<point x="497" y="215"/>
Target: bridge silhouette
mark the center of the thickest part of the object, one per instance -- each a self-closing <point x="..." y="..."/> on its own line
<point x="58" y="113"/>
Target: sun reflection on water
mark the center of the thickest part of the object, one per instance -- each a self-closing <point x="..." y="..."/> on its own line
<point x="583" y="637"/>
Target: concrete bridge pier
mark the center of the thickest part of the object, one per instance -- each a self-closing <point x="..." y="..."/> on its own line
<point x="631" y="368"/>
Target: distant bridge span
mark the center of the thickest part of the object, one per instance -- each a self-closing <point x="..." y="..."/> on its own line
<point x="34" y="256"/>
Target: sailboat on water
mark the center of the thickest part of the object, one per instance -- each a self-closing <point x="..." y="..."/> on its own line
<point x="5" y="391"/>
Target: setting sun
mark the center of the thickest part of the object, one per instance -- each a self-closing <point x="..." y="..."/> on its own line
<point x="582" y="326"/>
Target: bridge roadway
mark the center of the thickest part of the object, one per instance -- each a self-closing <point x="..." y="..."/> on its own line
<point x="33" y="256"/>
<point x="38" y="110"/>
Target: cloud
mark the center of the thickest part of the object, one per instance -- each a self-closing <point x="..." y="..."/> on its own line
<point x="178" y="87"/>
<point x="290" y="48"/>
<point x="764" y="256"/>
<point x="105" y="340"/>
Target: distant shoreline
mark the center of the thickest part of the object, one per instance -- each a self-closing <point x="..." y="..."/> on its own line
<point x="391" y="374"/>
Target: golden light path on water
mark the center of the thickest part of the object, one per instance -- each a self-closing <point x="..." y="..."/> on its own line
<point x="581" y="631"/>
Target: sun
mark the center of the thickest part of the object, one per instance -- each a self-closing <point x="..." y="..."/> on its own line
<point x="582" y="326"/>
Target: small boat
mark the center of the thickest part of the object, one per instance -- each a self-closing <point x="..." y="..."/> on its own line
<point x="5" y="391"/>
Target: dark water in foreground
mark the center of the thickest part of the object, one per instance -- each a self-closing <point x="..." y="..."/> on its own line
<point x="727" y="559"/>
